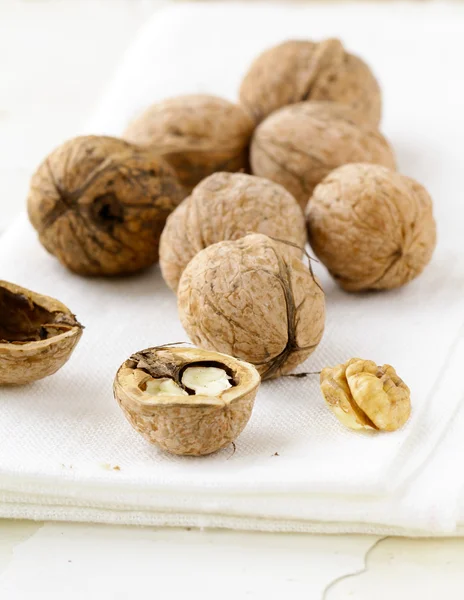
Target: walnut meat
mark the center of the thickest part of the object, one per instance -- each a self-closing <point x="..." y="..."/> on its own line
<point x="227" y="206"/>
<point x="296" y="71"/>
<point x="185" y="400"/>
<point x="251" y="299"/>
<point x="299" y="145"/>
<point x="371" y="227"/>
<point x="99" y="205"/>
<point x="37" y="335"/>
<point x="365" y="396"/>
<point x="197" y="135"/>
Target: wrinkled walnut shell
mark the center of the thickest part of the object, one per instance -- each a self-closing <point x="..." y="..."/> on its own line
<point x="365" y="396"/>
<point x="99" y="205"/>
<point x="227" y="206"/>
<point x="253" y="300"/>
<point x="37" y="335"/>
<point x="197" y="135"/>
<point x="300" y="144"/>
<point x="193" y="424"/>
<point x="371" y="227"/>
<point x="297" y="71"/>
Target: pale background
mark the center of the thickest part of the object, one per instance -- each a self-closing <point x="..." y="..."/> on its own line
<point x="50" y="81"/>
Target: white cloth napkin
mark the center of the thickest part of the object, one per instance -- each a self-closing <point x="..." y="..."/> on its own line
<point x="61" y="438"/>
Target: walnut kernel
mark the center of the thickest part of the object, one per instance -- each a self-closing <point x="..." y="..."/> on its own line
<point x="365" y="396"/>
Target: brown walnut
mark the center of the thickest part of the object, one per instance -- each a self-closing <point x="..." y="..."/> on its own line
<point x="37" y="335"/>
<point x="299" y="145"/>
<point x="363" y="395"/>
<point x="227" y="206"/>
<point x="99" y="205"/>
<point x="178" y="418"/>
<point x="197" y="135"/>
<point x="297" y="71"/>
<point x="253" y="300"/>
<point x="371" y="227"/>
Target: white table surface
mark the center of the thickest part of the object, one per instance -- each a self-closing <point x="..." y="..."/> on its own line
<point x="55" y="59"/>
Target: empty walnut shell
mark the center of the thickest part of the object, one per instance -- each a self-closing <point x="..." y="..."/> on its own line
<point x="99" y="205"/>
<point x="365" y="396"/>
<point x="371" y="227"/>
<point x="197" y="135"/>
<point x="296" y="71"/>
<point x="37" y="335"/>
<point x="188" y="424"/>
<point x="252" y="299"/>
<point x="227" y="206"/>
<point x="299" y="145"/>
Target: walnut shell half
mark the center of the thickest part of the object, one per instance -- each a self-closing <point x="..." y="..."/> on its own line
<point x="37" y="335"/>
<point x="371" y="227"/>
<point x="99" y="205"/>
<point x="299" y="145"/>
<point x="297" y="71"/>
<point x="227" y="206"/>
<point x="188" y="423"/>
<point x="365" y="396"/>
<point x="253" y="300"/>
<point x="197" y="135"/>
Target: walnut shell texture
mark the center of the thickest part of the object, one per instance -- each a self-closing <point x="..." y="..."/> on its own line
<point x="299" y="145"/>
<point x="227" y="206"/>
<point x="371" y="227"/>
<point x="250" y="299"/>
<point x="99" y="205"/>
<point x="297" y="71"/>
<point x="363" y="395"/>
<point x="192" y="425"/>
<point x="37" y="335"/>
<point x="198" y="135"/>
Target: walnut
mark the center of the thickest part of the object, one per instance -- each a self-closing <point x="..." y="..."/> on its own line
<point x="185" y="400"/>
<point x="227" y="206"/>
<point x="197" y="135"/>
<point x="251" y="299"/>
<point x="37" y="335"/>
<point x="299" y="145"/>
<point x="365" y="396"/>
<point x="99" y="205"/>
<point x="297" y="71"/>
<point x="371" y="227"/>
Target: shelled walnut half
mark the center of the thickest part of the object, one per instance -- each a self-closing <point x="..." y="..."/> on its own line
<point x="37" y="335"/>
<point x="363" y="395"/>
<point x="186" y="400"/>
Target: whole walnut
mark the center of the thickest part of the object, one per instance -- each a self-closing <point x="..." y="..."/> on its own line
<point x="296" y="71"/>
<point x="99" y="205"/>
<point x="372" y="228"/>
<point x="299" y="145"/>
<point x="252" y="300"/>
<point x="227" y="206"/>
<point x="197" y="135"/>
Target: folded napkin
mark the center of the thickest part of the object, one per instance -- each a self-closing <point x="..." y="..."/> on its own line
<point x="295" y="467"/>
